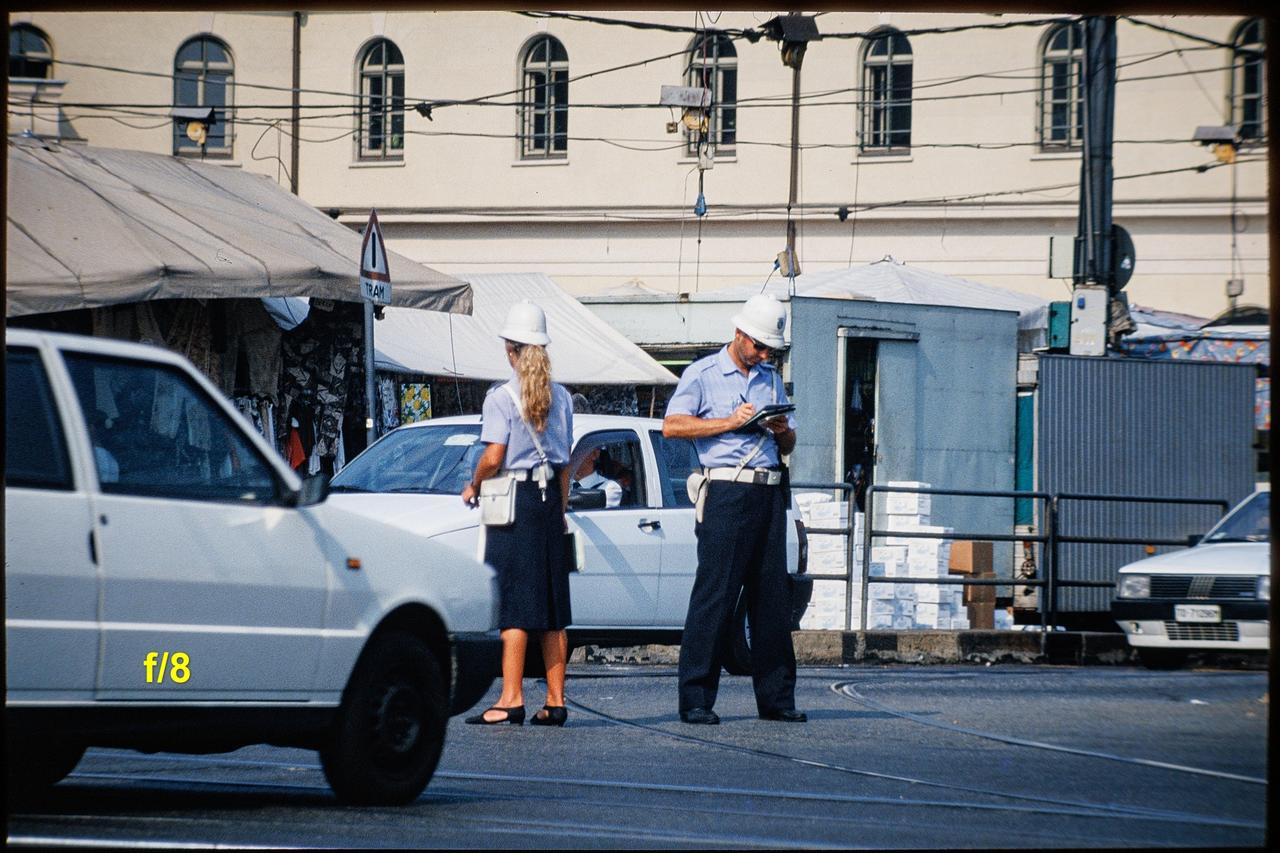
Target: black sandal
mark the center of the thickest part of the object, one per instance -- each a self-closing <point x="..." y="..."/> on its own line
<point x="550" y="715"/>
<point x="515" y="716"/>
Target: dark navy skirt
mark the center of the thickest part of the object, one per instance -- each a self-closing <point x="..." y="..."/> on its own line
<point x="532" y="562"/>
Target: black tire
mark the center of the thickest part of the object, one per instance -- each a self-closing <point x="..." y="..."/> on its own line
<point x="737" y="658"/>
<point x="39" y="761"/>
<point x="1163" y="658"/>
<point x="390" y="729"/>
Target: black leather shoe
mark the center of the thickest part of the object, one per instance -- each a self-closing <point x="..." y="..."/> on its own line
<point x="515" y="717"/>
<point x="785" y="715"/>
<point x="700" y="717"/>
<point x="550" y="715"/>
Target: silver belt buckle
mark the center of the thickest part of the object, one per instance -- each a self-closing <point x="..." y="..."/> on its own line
<point x="760" y="477"/>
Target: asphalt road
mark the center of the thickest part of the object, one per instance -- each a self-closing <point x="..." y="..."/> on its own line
<point x="893" y="756"/>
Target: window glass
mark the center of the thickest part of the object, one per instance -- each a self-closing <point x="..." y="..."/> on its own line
<point x="544" y="105"/>
<point x="29" y="53"/>
<point x="156" y="433"/>
<point x="1248" y="79"/>
<point x="713" y="64"/>
<point x="35" y="449"/>
<point x="433" y="459"/>
<point x="1062" y="88"/>
<point x="204" y="77"/>
<point x="886" y="88"/>
<point x="380" y="134"/>
<point x="611" y="462"/>
<point x="677" y="459"/>
<point x="1249" y="522"/>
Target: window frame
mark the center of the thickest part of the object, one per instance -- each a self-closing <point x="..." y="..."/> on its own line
<point x="275" y="495"/>
<point x="387" y="73"/>
<point x="28" y="29"/>
<point x="555" y="115"/>
<point x="639" y="496"/>
<point x="1073" y="58"/>
<point x="62" y="476"/>
<point x="222" y="115"/>
<point x="722" y="69"/>
<point x="674" y="493"/>
<point x="1247" y="81"/>
<point x="873" y="110"/>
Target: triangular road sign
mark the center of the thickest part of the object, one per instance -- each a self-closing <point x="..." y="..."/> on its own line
<point x="375" y="276"/>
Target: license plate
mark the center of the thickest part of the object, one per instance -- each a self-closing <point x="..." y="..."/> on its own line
<point x="1197" y="613"/>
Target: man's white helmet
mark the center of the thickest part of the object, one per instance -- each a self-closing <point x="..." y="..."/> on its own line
<point x="526" y="324"/>
<point x="763" y="317"/>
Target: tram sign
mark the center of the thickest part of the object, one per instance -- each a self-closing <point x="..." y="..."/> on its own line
<point x="375" y="277"/>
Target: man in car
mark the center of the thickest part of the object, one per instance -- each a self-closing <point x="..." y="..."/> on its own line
<point x="588" y="477"/>
<point x="741" y="527"/>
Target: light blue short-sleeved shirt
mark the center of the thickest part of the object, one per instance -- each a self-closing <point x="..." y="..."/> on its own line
<point x="501" y="424"/>
<point x="713" y="387"/>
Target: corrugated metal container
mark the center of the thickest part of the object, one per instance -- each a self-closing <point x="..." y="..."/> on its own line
<point x="1129" y="427"/>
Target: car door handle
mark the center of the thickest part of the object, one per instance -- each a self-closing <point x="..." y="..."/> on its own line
<point x="646" y="524"/>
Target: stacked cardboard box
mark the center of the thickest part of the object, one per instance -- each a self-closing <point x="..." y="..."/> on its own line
<point x="829" y="554"/>
<point x="914" y="605"/>
<point x="975" y="560"/>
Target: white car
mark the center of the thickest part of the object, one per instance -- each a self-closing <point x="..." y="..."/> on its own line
<point x="639" y="557"/>
<point x="172" y="585"/>
<point x="1215" y="595"/>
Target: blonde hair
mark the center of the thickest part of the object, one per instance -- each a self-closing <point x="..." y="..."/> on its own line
<point x="533" y="367"/>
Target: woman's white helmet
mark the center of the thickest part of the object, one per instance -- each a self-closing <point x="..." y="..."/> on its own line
<point x="526" y="324"/>
<point x="763" y="317"/>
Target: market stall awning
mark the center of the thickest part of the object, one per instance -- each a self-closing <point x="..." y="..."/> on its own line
<point x="90" y="227"/>
<point x="584" y="349"/>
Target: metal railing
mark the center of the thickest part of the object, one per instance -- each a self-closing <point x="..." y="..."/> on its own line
<point x="1051" y="539"/>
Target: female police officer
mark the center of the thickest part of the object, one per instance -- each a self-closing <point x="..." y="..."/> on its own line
<point x="527" y="426"/>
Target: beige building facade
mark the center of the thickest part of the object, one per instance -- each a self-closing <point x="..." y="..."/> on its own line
<point x="948" y="141"/>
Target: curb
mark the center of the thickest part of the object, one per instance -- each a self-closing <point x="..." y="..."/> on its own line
<point x="836" y="648"/>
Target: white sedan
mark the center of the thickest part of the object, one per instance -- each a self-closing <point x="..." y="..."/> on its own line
<point x="638" y="557"/>
<point x="1213" y="596"/>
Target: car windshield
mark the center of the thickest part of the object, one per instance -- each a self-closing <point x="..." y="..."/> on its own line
<point x="428" y="460"/>
<point x="1249" y="522"/>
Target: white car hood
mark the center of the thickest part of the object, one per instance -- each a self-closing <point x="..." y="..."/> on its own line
<point x="1227" y="558"/>
<point x="427" y="515"/>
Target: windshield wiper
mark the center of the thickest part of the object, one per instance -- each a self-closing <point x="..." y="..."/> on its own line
<point x="1230" y="539"/>
<point x="347" y="489"/>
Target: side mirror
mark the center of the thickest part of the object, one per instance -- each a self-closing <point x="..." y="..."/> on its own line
<point x="1193" y="539"/>
<point x="587" y="499"/>
<point x="314" y="490"/>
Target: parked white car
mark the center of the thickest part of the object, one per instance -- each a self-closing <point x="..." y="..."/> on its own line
<point x="1215" y="595"/>
<point x="639" y="557"/>
<point x="172" y="585"/>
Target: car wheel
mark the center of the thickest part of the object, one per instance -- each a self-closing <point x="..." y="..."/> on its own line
<point x="1163" y="658"/>
<point x="737" y="659"/>
<point x="390" y="728"/>
<point x="37" y="761"/>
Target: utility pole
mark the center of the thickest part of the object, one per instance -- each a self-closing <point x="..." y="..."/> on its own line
<point x="1104" y="255"/>
<point x="794" y="31"/>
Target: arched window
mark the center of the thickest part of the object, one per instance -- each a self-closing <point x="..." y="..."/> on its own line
<point x="544" y="99"/>
<point x="713" y="64"/>
<point x="380" y="132"/>
<point x="886" y="92"/>
<point x="1248" y="81"/>
<point x="29" y="53"/>
<point x="203" y="76"/>
<point x="1061" y="120"/>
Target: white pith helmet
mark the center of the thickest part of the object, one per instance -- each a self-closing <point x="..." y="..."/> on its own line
<point x="763" y="317"/>
<point x="526" y="324"/>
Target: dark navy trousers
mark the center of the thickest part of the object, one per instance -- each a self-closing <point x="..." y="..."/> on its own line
<point x="741" y="546"/>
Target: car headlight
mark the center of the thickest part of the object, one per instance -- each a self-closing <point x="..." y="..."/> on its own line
<point x="1264" y="587"/>
<point x="1133" y="586"/>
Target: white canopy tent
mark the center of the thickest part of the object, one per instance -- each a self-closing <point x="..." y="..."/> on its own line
<point x="888" y="280"/>
<point x="584" y="349"/>
<point x="90" y="227"/>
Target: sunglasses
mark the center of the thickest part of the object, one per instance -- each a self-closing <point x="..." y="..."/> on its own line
<point x="759" y="347"/>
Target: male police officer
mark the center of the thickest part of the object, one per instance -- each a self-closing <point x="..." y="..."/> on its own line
<point x="741" y="516"/>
